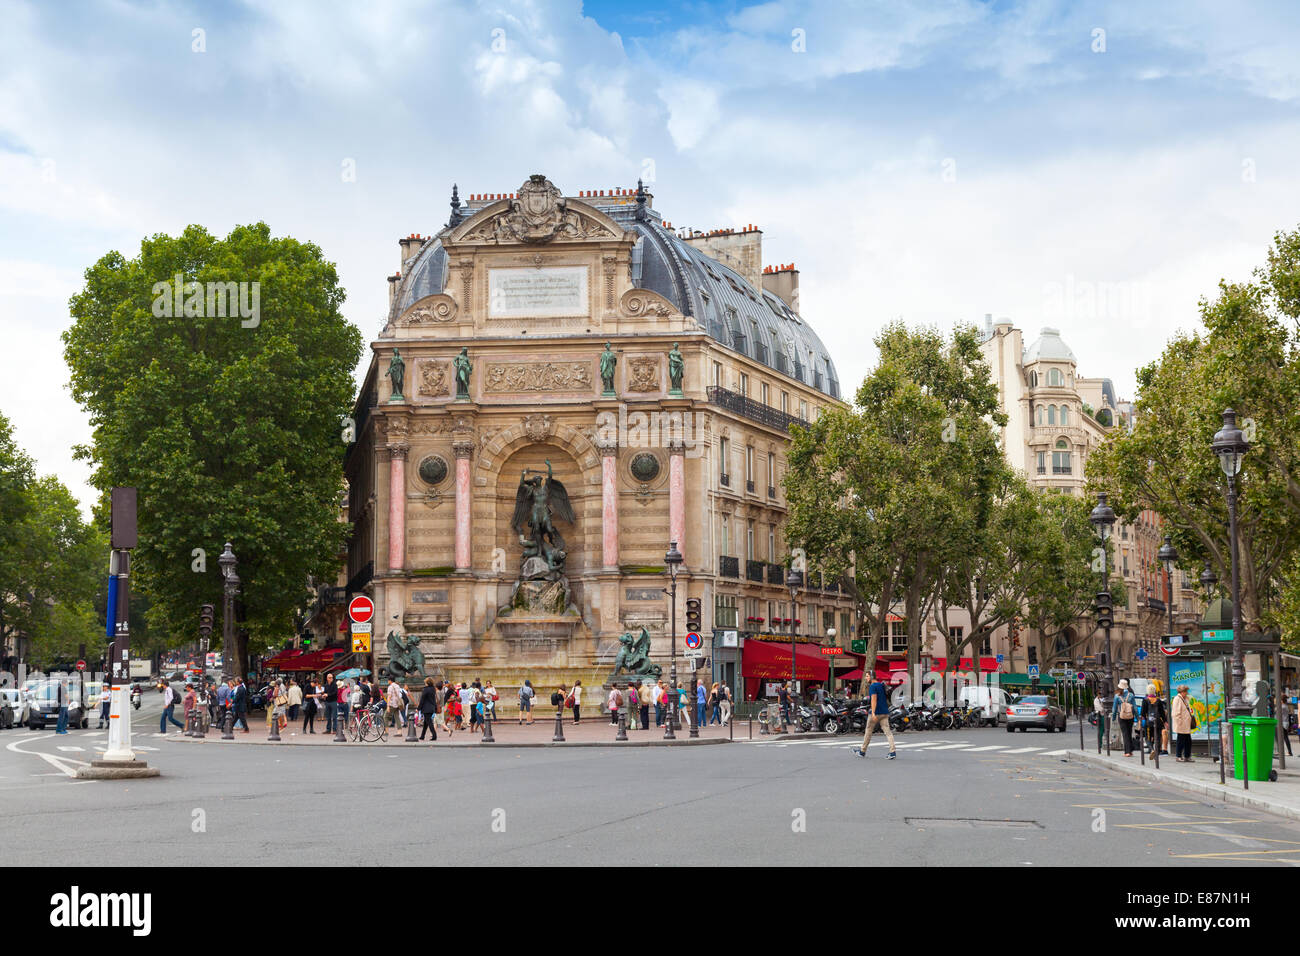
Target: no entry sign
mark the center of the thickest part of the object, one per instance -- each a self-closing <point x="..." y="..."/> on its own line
<point x="361" y="609"/>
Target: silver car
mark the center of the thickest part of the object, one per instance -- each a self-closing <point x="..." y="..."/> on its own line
<point x="13" y="707"/>
<point x="1034" y="711"/>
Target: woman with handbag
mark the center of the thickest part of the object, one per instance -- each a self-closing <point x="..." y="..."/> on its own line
<point x="575" y="701"/>
<point x="1184" y="723"/>
<point x="310" y="704"/>
<point x="428" y="708"/>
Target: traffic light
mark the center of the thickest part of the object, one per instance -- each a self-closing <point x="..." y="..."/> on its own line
<point x="693" y="620"/>
<point x="206" y="619"/>
<point x="1033" y="654"/>
<point x="1105" y="607"/>
<point x="306" y="639"/>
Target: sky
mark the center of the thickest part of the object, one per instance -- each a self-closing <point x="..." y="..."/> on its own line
<point x="1096" y="167"/>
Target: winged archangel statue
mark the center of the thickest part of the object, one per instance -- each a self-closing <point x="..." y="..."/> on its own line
<point x="539" y="502"/>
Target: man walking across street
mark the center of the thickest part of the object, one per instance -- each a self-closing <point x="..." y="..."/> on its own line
<point x="169" y="706"/>
<point x="879" y="699"/>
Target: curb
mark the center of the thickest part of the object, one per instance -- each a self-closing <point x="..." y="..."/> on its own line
<point x="499" y="745"/>
<point x="1241" y="798"/>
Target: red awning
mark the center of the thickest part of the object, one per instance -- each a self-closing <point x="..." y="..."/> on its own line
<point x="771" y="661"/>
<point x="299" y="660"/>
<point x="281" y="657"/>
<point x="851" y="675"/>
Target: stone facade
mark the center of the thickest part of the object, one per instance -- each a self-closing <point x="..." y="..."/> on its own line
<point x="532" y="286"/>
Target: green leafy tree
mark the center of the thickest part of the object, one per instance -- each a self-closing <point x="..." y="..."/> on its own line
<point x="893" y="487"/>
<point x="229" y="426"/>
<point x="16" y="476"/>
<point x="1244" y="357"/>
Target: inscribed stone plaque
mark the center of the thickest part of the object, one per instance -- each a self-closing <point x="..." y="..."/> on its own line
<point x="428" y="597"/>
<point x="643" y="594"/>
<point x="547" y="292"/>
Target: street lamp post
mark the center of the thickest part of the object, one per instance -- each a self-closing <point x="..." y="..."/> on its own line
<point x="230" y="588"/>
<point x="1230" y="446"/>
<point x="793" y="581"/>
<point x="830" y="664"/>
<point x="1103" y="519"/>
<point x="1168" y="556"/>
<point x="673" y="561"/>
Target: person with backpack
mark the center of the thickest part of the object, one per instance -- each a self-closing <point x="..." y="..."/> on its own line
<point x="394" y="701"/>
<point x="644" y="694"/>
<point x="1157" y="720"/>
<point x="575" y="701"/>
<point x="1124" y="709"/>
<point x="526" y="695"/>
<point x="614" y="702"/>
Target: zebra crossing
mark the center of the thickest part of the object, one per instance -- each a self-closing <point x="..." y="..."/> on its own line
<point x="997" y="750"/>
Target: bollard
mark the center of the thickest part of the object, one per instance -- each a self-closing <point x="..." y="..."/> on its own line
<point x="558" y="738"/>
<point x="487" y="725"/>
<point x="695" y="724"/>
<point x="731" y="732"/>
<point x="339" y="721"/>
<point x="229" y="729"/>
<point x="275" y="727"/>
<point x="751" y="726"/>
<point x="1081" y="732"/>
<point x="622" y="724"/>
<point x="189" y="724"/>
<point x="1245" y="767"/>
<point x="669" y="733"/>
<point x="410" y="729"/>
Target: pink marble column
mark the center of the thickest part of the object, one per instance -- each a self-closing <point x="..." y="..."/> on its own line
<point x="397" y="506"/>
<point x="609" y="503"/>
<point x="463" y="450"/>
<point x="677" y="494"/>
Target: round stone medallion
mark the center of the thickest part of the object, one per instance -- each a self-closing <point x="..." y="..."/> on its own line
<point x="433" y="469"/>
<point x="644" y="467"/>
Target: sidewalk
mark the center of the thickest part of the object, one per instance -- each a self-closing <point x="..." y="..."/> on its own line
<point x="595" y="731"/>
<point x="1202" y="776"/>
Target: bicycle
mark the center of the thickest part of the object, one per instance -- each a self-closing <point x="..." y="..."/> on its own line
<point x="368" y="725"/>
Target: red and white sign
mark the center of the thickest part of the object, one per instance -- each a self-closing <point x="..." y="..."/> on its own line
<point x="81" y="665"/>
<point x="1169" y="651"/>
<point x="693" y="640"/>
<point x="361" y="609"/>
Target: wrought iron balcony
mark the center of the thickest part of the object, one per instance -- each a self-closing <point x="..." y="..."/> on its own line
<point x="776" y="574"/>
<point x="728" y="566"/>
<point x="754" y="570"/>
<point x="724" y="480"/>
<point x="753" y="410"/>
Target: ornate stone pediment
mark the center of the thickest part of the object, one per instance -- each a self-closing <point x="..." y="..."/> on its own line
<point x="540" y="214"/>
<point x="637" y="302"/>
<point x="431" y="310"/>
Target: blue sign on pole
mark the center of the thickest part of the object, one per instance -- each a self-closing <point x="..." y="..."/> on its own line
<point x="999" y="658"/>
<point x="110" y="625"/>
<point x="1033" y="670"/>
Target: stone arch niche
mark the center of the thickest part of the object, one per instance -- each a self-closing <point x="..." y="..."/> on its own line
<point x="583" y="555"/>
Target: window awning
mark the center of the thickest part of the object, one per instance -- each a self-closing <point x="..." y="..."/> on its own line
<point x="299" y="660"/>
<point x="771" y="661"/>
<point x="964" y="663"/>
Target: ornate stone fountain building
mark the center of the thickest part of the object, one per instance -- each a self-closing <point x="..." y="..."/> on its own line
<point x="580" y="346"/>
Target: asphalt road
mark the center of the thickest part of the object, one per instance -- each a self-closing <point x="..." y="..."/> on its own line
<point x="802" y="801"/>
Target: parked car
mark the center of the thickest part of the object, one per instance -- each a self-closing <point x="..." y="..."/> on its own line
<point x="43" y="708"/>
<point x="1036" y="710"/>
<point x="13" y="707"/>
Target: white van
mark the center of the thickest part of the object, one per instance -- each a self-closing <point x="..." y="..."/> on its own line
<point x="993" y="700"/>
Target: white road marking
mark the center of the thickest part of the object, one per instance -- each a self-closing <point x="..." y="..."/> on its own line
<point x="73" y="749"/>
<point x="953" y="747"/>
<point x="1023" y="750"/>
<point x="976" y="750"/>
<point x="1054" y="753"/>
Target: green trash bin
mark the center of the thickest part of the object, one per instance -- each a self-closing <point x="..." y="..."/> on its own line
<point x="1258" y="734"/>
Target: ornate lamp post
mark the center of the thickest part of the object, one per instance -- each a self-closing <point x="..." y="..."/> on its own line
<point x="673" y="561"/>
<point x="1230" y="446"/>
<point x="793" y="581"/>
<point x="830" y="665"/>
<point x="1209" y="581"/>
<point x="230" y="589"/>
<point x="1103" y="519"/>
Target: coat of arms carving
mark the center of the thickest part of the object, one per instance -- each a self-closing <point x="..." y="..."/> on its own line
<point x="538" y="427"/>
<point x="643" y="375"/>
<point x="540" y="214"/>
<point x="433" y="378"/>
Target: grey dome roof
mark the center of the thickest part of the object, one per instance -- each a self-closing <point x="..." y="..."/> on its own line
<point x="1049" y="346"/>
<point x="735" y="313"/>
